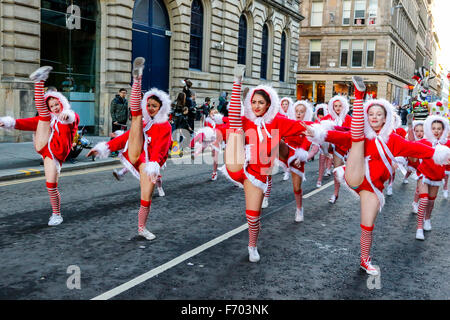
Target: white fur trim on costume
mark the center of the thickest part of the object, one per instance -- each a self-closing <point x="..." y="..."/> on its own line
<point x="224" y="171"/>
<point x="70" y="116"/>
<point x="209" y="134"/>
<point x="163" y="113"/>
<point x="434" y="183"/>
<point x="127" y="164"/>
<point x="397" y="120"/>
<point x="8" y="122"/>
<point x="346" y="107"/>
<point x="428" y="134"/>
<point x="308" y="113"/>
<point x="102" y="149"/>
<point x="387" y="129"/>
<point x="441" y="154"/>
<point x="218" y="118"/>
<point x="274" y="104"/>
<point x="290" y="102"/>
<point x="152" y="168"/>
<point x="301" y="155"/>
<point x="339" y="173"/>
<point x="320" y="133"/>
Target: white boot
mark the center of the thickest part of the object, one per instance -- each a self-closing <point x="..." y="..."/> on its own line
<point x="299" y="215"/>
<point x="253" y="254"/>
<point x="161" y="192"/>
<point x="415" y="206"/>
<point x="445" y="193"/>
<point x="419" y="234"/>
<point x="147" y="234"/>
<point x="55" y="220"/>
<point x="427" y="225"/>
<point x="41" y="74"/>
<point x="389" y="190"/>
<point x="286" y="176"/>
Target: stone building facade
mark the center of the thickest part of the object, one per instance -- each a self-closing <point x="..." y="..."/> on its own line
<point x="376" y="39"/>
<point x="92" y="60"/>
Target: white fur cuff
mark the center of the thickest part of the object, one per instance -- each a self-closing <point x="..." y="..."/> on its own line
<point x="301" y="155"/>
<point x="102" y="149"/>
<point x="8" y="122"/>
<point x="70" y="116"/>
<point x="441" y="154"/>
<point x="152" y="168"/>
<point x="320" y="134"/>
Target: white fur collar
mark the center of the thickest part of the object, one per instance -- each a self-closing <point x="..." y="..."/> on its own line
<point x="270" y="113"/>
<point x="387" y="129"/>
<point x="428" y="134"/>
<point x="308" y="114"/>
<point x="346" y="107"/>
<point x="163" y="113"/>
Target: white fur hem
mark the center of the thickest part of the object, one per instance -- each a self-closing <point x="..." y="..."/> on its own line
<point x="127" y="164"/>
<point x="431" y="182"/>
<point x="339" y="173"/>
<point x="152" y="168"/>
<point x="257" y="183"/>
<point x="441" y="154"/>
<point x="298" y="172"/>
<point x="8" y="122"/>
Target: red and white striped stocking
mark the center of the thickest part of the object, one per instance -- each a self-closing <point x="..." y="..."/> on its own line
<point x="357" y="124"/>
<point x="55" y="197"/>
<point x="423" y="204"/>
<point x="234" y="109"/>
<point x="254" y="226"/>
<point x="269" y="187"/>
<point x="366" y="241"/>
<point x="135" y="98"/>
<point x="41" y="106"/>
<point x="144" y="210"/>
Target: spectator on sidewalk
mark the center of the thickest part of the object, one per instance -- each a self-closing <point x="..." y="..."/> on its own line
<point x="223" y="104"/>
<point x="119" y="111"/>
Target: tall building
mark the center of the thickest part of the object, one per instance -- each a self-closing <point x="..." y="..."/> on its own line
<point x="376" y="39"/>
<point x="91" y="44"/>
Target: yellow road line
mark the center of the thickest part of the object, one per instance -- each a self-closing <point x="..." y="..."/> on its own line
<point x="63" y="174"/>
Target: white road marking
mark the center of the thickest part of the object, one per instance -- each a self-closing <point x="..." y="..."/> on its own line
<point x="172" y="263"/>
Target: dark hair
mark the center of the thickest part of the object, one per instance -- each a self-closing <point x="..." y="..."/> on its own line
<point x="188" y="83"/>
<point x="264" y="94"/>
<point x="320" y="112"/>
<point x="181" y="99"/>
<point x="48" y="99"/>
<point x="123" y="89"/>
<point x="438" y="121"/>
<point x="156" y="98"/>
<point x="207" y="99"/>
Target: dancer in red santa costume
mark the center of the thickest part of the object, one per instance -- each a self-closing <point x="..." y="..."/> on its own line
<point x="285" y="104"/>
<point x="430" y="172"/>
<point x="401" y="161"/>
<point x="373" y="148"/>
<point x="55" y="129"/>
<point x="249" y="157"/>
<point x="325" y="158"/>
<point x="447" y="175"/>
<point x="211" y="135"/>
<point x="299" y="147"/>
<point x="415" y="133"/>
<point x="338" y="108"/>
<point x="145" y="147"/>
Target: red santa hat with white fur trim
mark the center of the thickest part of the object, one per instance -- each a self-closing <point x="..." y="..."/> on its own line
<point x="345" y="108"/>
<point x="64" y="103"/>
<point x="387" y="127"/>
<point x="163" y="113"/>
<point x="273" y="108"/>
<point x="308" y="113"/>
<point x="290" y="103"/>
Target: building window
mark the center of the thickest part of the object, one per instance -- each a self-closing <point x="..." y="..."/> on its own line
<point x="316" y="14"/>
<point x="344" y="53"/>
<point x="370" y="53"/>
<point x="242" y="42"/>
<point x="264" y="52"/>
<point x="195" y="49"/>
<point x="360" y="12"/>
<point x="314" y="53"/>
<point x="283" y="56"/>
<point x="373" y="7"/>
<point x="357" y="53"/>
<point x="346" y="10"/>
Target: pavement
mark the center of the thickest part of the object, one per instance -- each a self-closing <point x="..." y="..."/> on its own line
<point x="20" y="160"/>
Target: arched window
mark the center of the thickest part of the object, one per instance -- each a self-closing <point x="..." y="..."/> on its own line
<point x="242" y="43"/>
<point x="195" y="49"/>
<point x="264" y="51"/>
<point x="283" y="57"/>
